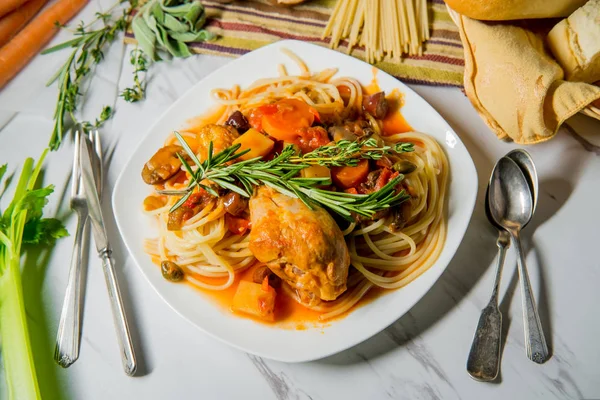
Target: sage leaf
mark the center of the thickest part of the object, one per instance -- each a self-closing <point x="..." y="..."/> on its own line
<point x="164" y="27"/>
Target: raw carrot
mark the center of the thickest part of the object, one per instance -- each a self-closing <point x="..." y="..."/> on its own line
<point x="14" y="21"/>
<point x="27" y="43"/>
<point x="7" y="6"/>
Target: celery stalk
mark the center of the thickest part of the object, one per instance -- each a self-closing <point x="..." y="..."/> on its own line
<point x="25" y="210"/>
<point x="16" y="347"/>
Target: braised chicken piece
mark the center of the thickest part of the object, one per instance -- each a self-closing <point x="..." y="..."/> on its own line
<point x="303" y="247"/>
<point x="163" y="165"/>
<point x="222" y="137"/>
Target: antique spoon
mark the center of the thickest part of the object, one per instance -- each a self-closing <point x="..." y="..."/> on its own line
<point x="511" y="206"/>
<point x="483" y="363"/>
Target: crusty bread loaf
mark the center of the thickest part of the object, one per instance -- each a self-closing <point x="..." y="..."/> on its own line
<point x="575" y="43"/>
<point x="502" y="10"/>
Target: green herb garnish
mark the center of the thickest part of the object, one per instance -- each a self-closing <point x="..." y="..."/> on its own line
<point x="138" y="90"/>
<point x="281" y="174"/>
<point x="347" y="153"/>
<point x="88" y="49"/>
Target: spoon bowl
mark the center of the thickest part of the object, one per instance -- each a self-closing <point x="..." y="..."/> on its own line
<point x="510" y="197"/>
<point x="525" y="162"/>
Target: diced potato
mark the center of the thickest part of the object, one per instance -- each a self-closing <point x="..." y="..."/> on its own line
<point x="316" y="171"/>
<point x="259" y="144"/>
<point x="252" y="298"/>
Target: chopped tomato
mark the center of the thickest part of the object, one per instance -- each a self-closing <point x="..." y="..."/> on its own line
<point x="316" y="115"/>
<point x="312" y="138"/>
<point x="348" y="177"/>
<point x="197" y="198"/>
<point x="284" y="118"/>
<point x="384" y="177"/>
<point x="255" y="116"/>
<point x="237" y="226"/>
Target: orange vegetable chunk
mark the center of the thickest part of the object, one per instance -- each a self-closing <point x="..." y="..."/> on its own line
<point x="288" y="116"/>
<point x="348" y="177"/>
<point x="252" y="298"/>
<point x="258" y="144"/>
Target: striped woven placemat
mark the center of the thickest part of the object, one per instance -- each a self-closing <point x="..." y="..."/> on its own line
<point x="243" y="26"/>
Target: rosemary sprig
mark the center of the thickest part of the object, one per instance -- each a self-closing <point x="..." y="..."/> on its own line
<point x="88" y="49"/>
<point x="138" y="90"/>
<point x="281" y="174"/>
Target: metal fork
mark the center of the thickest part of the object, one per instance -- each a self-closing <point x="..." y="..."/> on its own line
<point x="69" y="327"/>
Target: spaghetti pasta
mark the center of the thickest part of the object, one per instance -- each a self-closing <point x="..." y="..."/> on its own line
<point x="386" y="28"/>
<point x="381" y="254"/>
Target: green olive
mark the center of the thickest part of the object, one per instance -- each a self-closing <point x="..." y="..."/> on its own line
<point x="404" y="167"/>
<point x="171" y="271"/>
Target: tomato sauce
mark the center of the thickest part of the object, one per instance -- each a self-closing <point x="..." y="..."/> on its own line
<point x="288" y="313"/>
<point x="394" y="121"/>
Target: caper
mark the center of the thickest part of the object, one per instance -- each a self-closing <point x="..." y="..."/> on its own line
<point x="171" y="271"/>
<point x="404" y="167"/>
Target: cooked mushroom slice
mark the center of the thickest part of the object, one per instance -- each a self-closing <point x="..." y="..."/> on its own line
<point x="234" y="203"/>
<point x="163" y="165"/>
<point x="376" y="105"/>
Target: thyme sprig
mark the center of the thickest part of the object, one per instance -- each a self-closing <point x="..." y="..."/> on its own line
<point x="88" y="49"/>
<point x="282" y="174"/>
<point x="138" y="90"/>
<point x="347" y="153"/>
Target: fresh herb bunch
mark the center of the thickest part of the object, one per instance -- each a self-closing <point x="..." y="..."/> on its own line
<point x="140" y="64"/>
<point x="281" y="174"/>
<point x="21" y="223"/>
<point x="163" y="27"/>
<point x="88" y="49"/>
<point x="347" y="153"/>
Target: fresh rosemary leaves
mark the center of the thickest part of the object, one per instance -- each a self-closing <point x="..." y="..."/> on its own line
<point x="88" y="49"/>
<point x="281" y="174"/>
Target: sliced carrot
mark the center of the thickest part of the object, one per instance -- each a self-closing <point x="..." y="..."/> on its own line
<point x="348" y="177"/>
<point x="20" y="49"/>
<point x="14" y="21"/>
<point x="290" y="115"/>
<point x="7" y="6"/>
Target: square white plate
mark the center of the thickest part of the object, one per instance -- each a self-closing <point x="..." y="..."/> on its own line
<point x="263" y="340"/>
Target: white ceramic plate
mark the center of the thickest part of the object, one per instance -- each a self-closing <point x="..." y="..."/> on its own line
<point x="262" y="340"/>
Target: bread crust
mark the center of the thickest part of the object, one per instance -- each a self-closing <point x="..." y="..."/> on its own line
<point x="502" y="10"/>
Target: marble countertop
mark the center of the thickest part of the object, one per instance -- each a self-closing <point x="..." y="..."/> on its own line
<point x="421" y="356"/>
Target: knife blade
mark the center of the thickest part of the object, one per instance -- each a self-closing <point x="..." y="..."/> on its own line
<point x="91" y="195"/>
<point x="104" y="252"/>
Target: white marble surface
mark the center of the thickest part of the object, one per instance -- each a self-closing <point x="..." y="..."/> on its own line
<point x="421" y="356"/>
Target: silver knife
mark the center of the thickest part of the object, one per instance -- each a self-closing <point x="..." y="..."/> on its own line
<point x="104" y="252"/>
